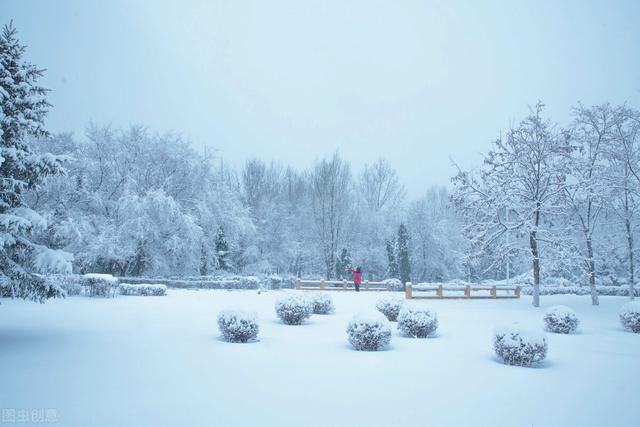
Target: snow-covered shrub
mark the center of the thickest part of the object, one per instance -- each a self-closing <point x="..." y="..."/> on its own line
<point x="518" y="346"/>
<point x="630" y="316"/>
<point x="394" y="284"/>
<point x="369" y="332"/>
<point x="561" y="320"/>
<point x="613" y="291"/>
<point x="322" y="303"/>
<point x="293" y="309"/>
<point x="390" y="307"/>
<point x="70" y="283"/>
<point x="238" y="325"/>
<point x="417" y="321"/>
<point x="143" y="289"/>
<point x="102" y="285"/>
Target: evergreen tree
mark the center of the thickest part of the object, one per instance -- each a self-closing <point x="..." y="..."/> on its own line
<point x="23" y="107"/>
<point x="393" y="271"/>
<point x="342" y="263"/>
<point x="222" y="250"/>
<point x="404" y="263"/>
<point x="204" y="260"/>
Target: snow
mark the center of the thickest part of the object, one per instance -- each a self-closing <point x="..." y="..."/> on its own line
<point x="160" y="361"/>
<point x="48" y="260"/>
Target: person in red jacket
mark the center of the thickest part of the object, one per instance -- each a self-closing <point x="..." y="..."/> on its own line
<point x="357" y="277"/>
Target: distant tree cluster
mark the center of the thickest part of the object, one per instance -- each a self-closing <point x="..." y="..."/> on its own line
<point x="555" y="202"/>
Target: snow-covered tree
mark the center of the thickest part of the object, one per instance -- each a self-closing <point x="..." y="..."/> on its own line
<point x="380" y="187"/>
<point x="586" y="190"/>
<point x="436" y="239"/>
<point x="524" y="175"/>
<point x="23" y="107"/>
<point x="222" y="250"/>
<point x="623" y="176"/>
<point x="332" y="207"/>
<point x="343" y="262"/>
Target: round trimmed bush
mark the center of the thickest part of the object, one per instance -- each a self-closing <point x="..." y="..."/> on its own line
<point x="238" y="325"/>
<point x="417" y="321"/>
<point x="518" y="346"/>
<point x="561" y="320"/>
<point x="322" y="303"/>
<point x="630" y="316"/>
<point x="293" y="309"/>
<point x="390" y="307"/>
<point x="369" y="332"/>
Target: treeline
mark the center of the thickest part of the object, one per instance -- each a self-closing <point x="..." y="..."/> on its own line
<point x="136" y="203"/>
<point x="557" y="201"/>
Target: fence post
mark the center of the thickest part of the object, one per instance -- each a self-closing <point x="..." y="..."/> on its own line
<point x="322" y="284"/>
<point x="408" y="293"/>
<point x="298" y="283"/>
<point x="467" y="291"/>
<point x="517" y="292"/>
<point x="344" y="284"/>
<point x="439" y="291"/>
<point x="493" y="292"/>
<point x="366" y="284"/>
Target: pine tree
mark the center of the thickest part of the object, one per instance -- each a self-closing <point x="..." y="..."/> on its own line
<point x="222" y="250"/>
<point x="342" y="263"/>
<point x="404" y="264"/>
<point x="23" y="107"/>
<point x="393" y="272"/>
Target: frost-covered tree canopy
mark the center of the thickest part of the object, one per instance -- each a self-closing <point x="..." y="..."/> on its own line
<point x="23" y="107"/>
<point x="549" y="201"/>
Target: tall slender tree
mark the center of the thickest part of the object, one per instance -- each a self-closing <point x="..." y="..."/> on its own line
<point x="404" y="260"/>
<point x="331" y="184"/>
<point x="393" y="271"/>
<point x="586" y="191"/>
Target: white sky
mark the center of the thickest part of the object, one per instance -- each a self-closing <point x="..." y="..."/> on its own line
<point x="416" y="82"/>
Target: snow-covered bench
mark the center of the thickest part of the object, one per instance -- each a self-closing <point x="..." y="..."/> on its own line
<point x="453" y="291"/>
<point x="339" y="285"/>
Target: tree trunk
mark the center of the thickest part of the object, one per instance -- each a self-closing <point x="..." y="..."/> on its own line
<point x="536" y="268"/>
<point x="592" y="273"/>
<point x="630" y="256"/>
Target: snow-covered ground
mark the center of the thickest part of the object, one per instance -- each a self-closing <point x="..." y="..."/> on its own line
<point x="156" y="361"/>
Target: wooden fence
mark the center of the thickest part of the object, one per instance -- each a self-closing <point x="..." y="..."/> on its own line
<point x="495" y="292"/>
<point x="339" y="285"/>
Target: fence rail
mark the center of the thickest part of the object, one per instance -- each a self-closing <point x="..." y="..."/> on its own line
<point x="468" y="289"/>
<point x="339" y="285"/>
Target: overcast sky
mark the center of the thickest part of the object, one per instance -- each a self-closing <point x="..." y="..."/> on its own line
<point x="415" y="82"/>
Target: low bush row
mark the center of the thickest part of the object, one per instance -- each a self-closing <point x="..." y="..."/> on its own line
<point x="144" y="289"/>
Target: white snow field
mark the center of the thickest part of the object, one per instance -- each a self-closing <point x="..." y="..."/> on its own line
<point x="159" y="361"/>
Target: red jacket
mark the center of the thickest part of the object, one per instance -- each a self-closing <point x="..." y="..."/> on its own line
<point x="357" y="277"/>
